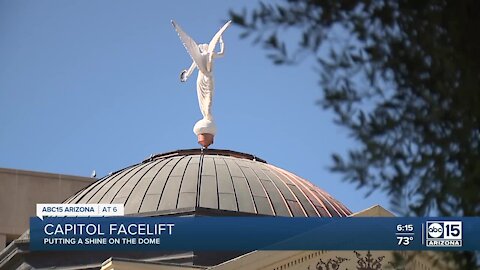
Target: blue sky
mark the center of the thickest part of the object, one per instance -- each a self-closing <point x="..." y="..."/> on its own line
<point x="94" y="85"/>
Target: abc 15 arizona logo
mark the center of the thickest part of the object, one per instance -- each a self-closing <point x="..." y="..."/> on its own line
<point x="443" y="234"/>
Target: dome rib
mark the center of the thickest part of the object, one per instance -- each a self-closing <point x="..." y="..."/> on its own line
<point x="243" y="192"/>
<point x="276" y="199"/>
<point x="261" y="200"/>
<point x="187" y="197"/>
<point x="288" y="197"/>
<point x="124" y="192"/>
<point x="302" y="197"/>
<point x="111" y="194"/>
<point x="310" y="194"/>
<point x="98" y="193"/>
<point x="155" y="191"/>
<point x="208" y="186"/>
<point x="227" y="197"/>
<point x="169" y="195"/>
<point x="137" y="193"/>
<point x="215" y="180"/>
<point x="146" y="183"/>
<point x="301" y="202"/>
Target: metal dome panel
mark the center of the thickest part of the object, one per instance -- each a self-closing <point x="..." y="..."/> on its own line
<point x="212" y="179"/>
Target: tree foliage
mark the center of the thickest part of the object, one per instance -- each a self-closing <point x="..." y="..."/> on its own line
<point x="403" y="76"/>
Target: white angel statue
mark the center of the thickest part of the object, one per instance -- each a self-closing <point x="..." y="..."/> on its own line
<point x="202" y="56"/>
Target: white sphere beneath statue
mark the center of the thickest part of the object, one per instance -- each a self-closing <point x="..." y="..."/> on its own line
<point x="205" y="126"/>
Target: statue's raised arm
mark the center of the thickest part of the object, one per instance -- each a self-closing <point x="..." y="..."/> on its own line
<point x="202" y="56"/>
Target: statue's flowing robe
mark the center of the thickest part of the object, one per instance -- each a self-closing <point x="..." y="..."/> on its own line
<point x="205" y="91"/>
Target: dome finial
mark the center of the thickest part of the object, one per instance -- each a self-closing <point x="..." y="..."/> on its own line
<point x="202" y="56"/>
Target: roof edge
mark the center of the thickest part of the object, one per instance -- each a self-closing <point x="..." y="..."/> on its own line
<point x="205" y="151"/>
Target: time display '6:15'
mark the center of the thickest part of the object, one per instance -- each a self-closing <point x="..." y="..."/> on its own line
<point x="405" y="228"/>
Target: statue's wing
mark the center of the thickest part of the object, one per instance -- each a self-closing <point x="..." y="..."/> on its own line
<point x="213" y="43"/>
<point x="192" y="48"/>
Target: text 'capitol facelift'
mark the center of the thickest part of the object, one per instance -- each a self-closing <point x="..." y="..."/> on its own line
<point x="110" y="229"/>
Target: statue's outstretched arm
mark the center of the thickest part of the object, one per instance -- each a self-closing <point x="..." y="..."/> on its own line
<point x="186" y="73"/>
<point x="222" y="48"/>
<point x="218" y="38"/>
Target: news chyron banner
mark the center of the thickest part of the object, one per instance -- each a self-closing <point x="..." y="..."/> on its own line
<point x="106" y="229"/>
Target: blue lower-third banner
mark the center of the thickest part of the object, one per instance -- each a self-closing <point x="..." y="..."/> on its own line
<point x="254" y="233"/>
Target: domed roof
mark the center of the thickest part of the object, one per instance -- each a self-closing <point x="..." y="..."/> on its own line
<point x="218" y="180"/>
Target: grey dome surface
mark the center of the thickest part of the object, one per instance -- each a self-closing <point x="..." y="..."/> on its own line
<point x="215" y="179"/>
